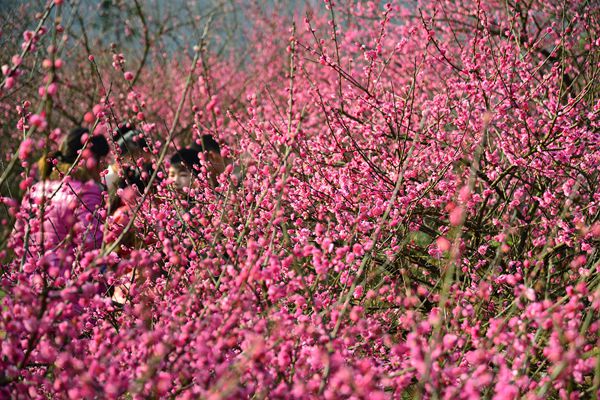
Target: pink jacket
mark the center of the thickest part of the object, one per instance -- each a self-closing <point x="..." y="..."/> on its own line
<point x="71" y="219"/>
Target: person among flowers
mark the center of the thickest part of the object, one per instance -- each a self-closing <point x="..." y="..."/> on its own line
<point x="183" y="168"/>
<point x="60" y="216"/>
<point x="133" y="161"/>
<point x="211" y="153"/>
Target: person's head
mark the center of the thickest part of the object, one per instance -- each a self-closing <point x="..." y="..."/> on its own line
<point x="131" y="143"/>
<point x="212" y="150"/>
<point x="132" y="147"/>
<point x="93" y="149"/>
<point x="183" y="165"/>
<point x="132" y="185"/>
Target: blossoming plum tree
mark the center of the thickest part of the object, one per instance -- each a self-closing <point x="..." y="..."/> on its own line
<point x="416" y="214"/>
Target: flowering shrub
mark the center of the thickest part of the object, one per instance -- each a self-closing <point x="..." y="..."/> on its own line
<point x="416" y="213"/>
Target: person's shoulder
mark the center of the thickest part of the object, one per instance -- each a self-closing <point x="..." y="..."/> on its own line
<point x="89" y="190"/>
<point x="43" y="188"/>
<point x="92" y="191"/>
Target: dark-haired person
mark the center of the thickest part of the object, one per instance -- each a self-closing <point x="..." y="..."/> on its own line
<point x="216" y="163"/>
<point x="125" y="201"/>
<point x="183" y="165"/>
<point x="132" y="145"/>
<point x="61" y="212"/>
